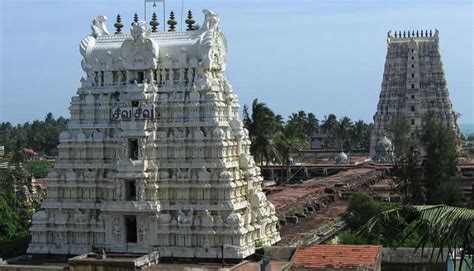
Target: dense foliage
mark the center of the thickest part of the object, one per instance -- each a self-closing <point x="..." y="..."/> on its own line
<point x="39" y="168"/>
<point x="276" y="140"/>
<point x="362" y="207"/>
<point x="14" y="222"/>
<point x="41" y="136"/>
<point x="437" y="226"/>
<point x="430" y="179"/>
<point x="16" y="205"/>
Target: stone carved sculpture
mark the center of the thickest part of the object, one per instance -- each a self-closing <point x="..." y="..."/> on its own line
<point x="142" y="232"/>
<point x="116" y="229"/>
<point x="140" y="52"/>
<point x="185" y="219"/>
<point x="98" y="26"/>
<point x="141" y="189"/>
<point x="118" y="190"/>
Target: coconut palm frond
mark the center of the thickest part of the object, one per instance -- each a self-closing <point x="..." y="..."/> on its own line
<point x="443" y="226"/>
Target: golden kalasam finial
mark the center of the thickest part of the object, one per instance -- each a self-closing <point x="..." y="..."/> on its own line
<point x="172" y="22"/>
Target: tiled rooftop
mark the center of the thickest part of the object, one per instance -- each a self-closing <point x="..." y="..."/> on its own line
<point x="338" y="257"/>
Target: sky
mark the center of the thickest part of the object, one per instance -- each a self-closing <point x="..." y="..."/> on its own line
<point x="324" y="56"/>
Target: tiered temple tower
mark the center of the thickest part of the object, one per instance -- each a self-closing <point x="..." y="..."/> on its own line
<point x="413" y="84"/>
<point x="155" y="156"/>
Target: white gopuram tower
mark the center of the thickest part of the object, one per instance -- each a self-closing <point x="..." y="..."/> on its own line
<point x="155" y="156"/>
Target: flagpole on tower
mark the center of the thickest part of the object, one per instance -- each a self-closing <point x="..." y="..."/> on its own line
<point x="154" y="5"/>
<point x="164" y="16"/>
<point x="144" y="10"/>
<point x="182" y="11"/>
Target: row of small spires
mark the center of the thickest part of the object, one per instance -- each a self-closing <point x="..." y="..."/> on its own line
<point x="154" y="22"/>
<point x="418" y="34"/>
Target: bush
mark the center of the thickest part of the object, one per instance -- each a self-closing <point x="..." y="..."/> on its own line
<point x="363" y="207"/>
<point x="39" y="169"/>
<point x="15" y="247"/>
<point x="349" y="238"/>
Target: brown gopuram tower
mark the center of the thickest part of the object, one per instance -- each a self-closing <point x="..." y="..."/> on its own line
<point x="413" y="84"/>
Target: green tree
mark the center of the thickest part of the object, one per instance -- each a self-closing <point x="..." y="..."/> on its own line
<point x="361" y="208"/>
<point x="42" y="136"/>
<point x="311" y="125"/>
<point x="288" y="142"/>
<point x="440" y="164"/>
<point x="400" y="129"/>
<point x="342" y="131"/>
<point x="304" y="125"/>
<point x="407" y="163"/>
<point x="329" y="124"/>
<point x="359" y="134"/>
<point x="298" y="122"/>
<point x="441" y="226"/>
<point x="262" y="125"/>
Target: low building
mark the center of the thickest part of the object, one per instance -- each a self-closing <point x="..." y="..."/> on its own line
<point x="325" y="141"/>
<point x="338" y="257"/>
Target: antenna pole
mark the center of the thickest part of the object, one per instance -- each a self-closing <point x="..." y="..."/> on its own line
<point x="182" y="11"/>
<point x="164" y="16"/>
<point x="144" y="10"/>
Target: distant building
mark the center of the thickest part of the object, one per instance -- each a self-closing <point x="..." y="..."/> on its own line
<point x="325" y="141"/>
<point x="3" y="163"/>
<point x="338" y="257"/>
<point x="413" y="84"/>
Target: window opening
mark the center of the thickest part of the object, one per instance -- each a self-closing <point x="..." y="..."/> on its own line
<point x="131" y="190"/>
<point x="133" y="149"/>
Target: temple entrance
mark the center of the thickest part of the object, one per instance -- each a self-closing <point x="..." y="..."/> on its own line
<point x="131" y="229"/>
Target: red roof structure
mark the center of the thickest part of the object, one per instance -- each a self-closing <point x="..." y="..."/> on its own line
<point x="338" y="257"/>
<point x="43" y="182"/>
<point x="30" y="151"/>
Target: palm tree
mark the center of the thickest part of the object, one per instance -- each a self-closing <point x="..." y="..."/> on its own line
<point x="358" y="133"/>
<point x="342" y="129"/>
<point x="288" y="142"/>
<point x="311" y="125"/>
<point x="442" y="226"/>
<point x="329" y="126"/>
<point x="262" y="125"/>
<point x="329" y="123"/>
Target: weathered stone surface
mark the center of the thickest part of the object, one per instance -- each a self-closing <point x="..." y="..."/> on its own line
<point x="292" y="219"/>
<point x="155" y="156"/>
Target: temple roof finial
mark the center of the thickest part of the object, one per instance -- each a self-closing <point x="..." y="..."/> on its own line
<point x="172" y="22"/>
<point x="190" y="21"/>
<point x="118" y="25"/>
<point x="135" y="18"/>
<point x="154" y="22"/>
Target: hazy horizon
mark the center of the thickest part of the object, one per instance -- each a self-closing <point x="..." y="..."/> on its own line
<point x="317" y="56"/>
